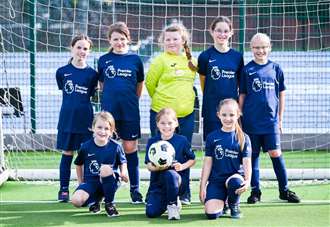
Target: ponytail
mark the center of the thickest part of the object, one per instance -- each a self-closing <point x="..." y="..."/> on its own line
<point x="70" y="60"/>
<point x="240" y="136"/>
<point x="187" y="51"/>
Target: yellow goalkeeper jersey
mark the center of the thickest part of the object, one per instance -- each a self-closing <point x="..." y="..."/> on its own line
<point x="170" y="83"/>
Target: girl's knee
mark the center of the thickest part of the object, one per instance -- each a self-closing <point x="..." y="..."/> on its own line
<point x="67" y="153"/>
<point x="79" y="198"/>
<point x="77" y="201"/>
<point x="234" y="182"/>
<point x="106" y="171"/>
<point x="130" y="146"/>
<point x="152" y="213"/>
<point x="275" y="153"/>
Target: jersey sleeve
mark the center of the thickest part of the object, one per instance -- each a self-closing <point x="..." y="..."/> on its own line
<point x="209" y="147"/>
<point x="146" y="158"/>
<point x="240" y="68"/>
<point x="153" y="75"/>
<point x="243" y="82"/>
<point x="120" y="157"/>
<point x="59" y="79"/>
<point x="140" y="72"/>
<point x="79" y="161"/>
<point x="188" y="152"/>
<point x="280" y="75"/>
<point x="100" y="70"/>
<point x="93" y="85"/>
<point x="202" y="63"/>
<point x="247" y="150"/>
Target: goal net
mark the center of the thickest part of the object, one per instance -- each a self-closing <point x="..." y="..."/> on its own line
<point x="34" y="41"/>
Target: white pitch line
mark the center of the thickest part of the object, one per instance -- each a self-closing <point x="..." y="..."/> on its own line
<point x="193" y="202"/>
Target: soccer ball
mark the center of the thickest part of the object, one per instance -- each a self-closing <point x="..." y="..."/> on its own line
<point x="161" y="153"/>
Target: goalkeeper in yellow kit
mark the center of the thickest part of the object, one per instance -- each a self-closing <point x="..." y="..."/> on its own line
<point x="169" y="82"/>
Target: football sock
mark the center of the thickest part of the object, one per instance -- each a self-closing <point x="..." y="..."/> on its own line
<point x="255" y="184"/>
<point x="109" y="185"/>
<point x="90" y="201"/>
<point x="232" y="185"/>
<point x="133" y="170"/>
<point x="213" y="216"/>
<point x="280" y="172"/>
<point x="65" y="172"/>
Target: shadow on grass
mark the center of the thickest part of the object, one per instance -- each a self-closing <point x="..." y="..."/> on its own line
<point x="58" y="214"/>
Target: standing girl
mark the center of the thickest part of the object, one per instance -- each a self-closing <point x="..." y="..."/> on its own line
<point x="97" y="167"/>
<point x="225" y="150"/>
<point x="262" y="93"/>
<point x="165" y="183"/>
<point x="121" y="78"/>
<point x="77" y="81"/>
<point x="170" y="81"/>
<point x="219" y="69"/>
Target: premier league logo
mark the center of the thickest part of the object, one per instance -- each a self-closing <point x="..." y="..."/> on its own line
<point x="110" y="72"/>
<point x="256" y="85"/>
<point x="219" y="152"/>
<point x="68" y="87"/>
<point x="94" y="167"/>
<point x="215" y="73"/>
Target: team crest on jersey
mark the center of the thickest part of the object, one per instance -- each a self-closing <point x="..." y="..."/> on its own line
<point x="219" y="152"/>
<point x="68" y="87"/>
<point x="110" y="72"/>
<point x="94" y="167"/>
<point x="256" y="85"/>
<point x="179" y="72"/>
<point x="216" y="73"/>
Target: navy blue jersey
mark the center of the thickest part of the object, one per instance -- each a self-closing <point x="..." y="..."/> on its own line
<point x="183" y="153"/>
<point x="262" y="85"/>
<point x="226" y="154"/>
<point x="222" y="73"/>
<point x="91" y="156"/>
<point x="77" y="85"/>
<point x="120" y="74"/>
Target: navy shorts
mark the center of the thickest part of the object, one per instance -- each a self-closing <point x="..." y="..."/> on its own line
<point x="92" y="188"/>
<point x="71" y="141"/>
<point x="128" y="130"/>
<point x="216" y="190"/>
<point x="267" y="142"/>
<point x="210" y="126"/>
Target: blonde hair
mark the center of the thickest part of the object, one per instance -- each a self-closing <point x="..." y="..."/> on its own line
<point x="239" y="132"/>
<point x="121" y="28"/>
<point x="260" y="36"/>
<point x="182" y="30"/>
<point x="107" y="117"/>
<point x="167" y="111"/>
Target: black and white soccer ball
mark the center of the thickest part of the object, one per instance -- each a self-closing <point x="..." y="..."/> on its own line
<point x="161" y="153"/>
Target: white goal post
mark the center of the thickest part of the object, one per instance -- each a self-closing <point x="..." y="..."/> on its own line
<point x="4" y="172"/>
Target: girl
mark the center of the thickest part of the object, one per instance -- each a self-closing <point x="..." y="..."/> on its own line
<point x="164" y="185"/>
<point x="121" y="78"/>
<point x="77" y="81"/>
<point x="262" y="101"/>
<point x="96" y="166"/>
<point x="219" y="69"/>
<point x="170" y="82"/>
<point x="225" y="150"/>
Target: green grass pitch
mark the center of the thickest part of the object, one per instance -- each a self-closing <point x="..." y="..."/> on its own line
<point x="34" y="204"/>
